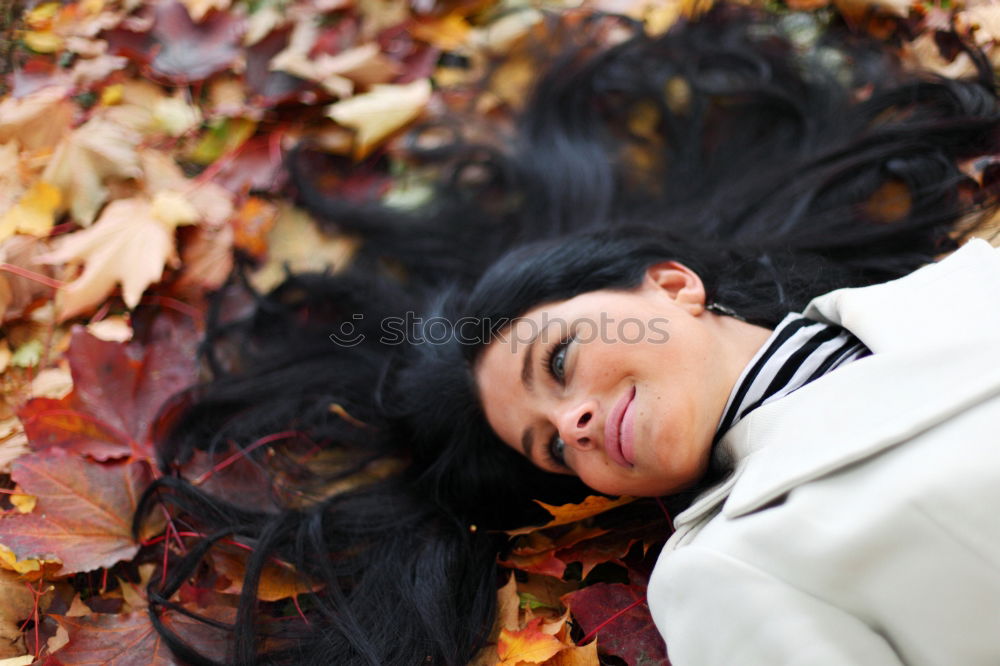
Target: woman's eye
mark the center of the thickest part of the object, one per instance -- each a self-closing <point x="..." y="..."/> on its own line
<point x="557" y="360"/>
<point x="557" y="448"/>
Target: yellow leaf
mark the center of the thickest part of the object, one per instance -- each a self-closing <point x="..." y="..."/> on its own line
<point x="377" y="114"/>
<point x="23" y="503"/>
<point x="527" y="645"/>
<point x="31" y="568"/>
<point x="570" y="513"/>
<point x="41" y="16"/>
<point x="34" y="214"/>
<point x="112" y="95"/>
<point x="113" y="329"/>
<point x="128" y="245"/>
<point x="174" y="116"/>
<point x="42" y="41"/>
<point x="447" y="33"/>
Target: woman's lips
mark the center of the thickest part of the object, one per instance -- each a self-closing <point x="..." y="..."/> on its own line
<point x="619" y="429"/>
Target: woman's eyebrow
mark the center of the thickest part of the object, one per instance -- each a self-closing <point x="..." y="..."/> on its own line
<point x="527" y="442"/>
<point x="528" y="368"/>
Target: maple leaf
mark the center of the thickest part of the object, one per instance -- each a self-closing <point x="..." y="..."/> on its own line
<point x="619" y="616"/>
<point x="130" y="639"/>
<point x="179" y="49"/>
<point x="129" y="244"/>
<point x="377" y="114"/>
<point x="117" y="391"/>
<point x="570" y="513"/>
<point x="585" y="655"/>
<point x="75" y="497"/>
<point x="529" y="644"/>
<point x="97" y="150"/>
<point x="39" y="120"/>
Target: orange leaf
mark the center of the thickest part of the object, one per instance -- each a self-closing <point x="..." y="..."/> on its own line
<point x="576" y="656"/>
<point x="529" y="644"/>
<point x="277" y="581"/>
<point x="570" y="513"/>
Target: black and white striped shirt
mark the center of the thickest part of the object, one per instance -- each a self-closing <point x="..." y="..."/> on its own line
<point x="799" y="351"/>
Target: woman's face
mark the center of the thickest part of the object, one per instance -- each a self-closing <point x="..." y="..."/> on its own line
<point x="621" y="388"/>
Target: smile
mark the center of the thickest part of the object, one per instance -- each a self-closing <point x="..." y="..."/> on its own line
<point x="619" y="431"/>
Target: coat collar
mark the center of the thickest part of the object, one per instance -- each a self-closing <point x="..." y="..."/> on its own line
<point x="939" y="328"/>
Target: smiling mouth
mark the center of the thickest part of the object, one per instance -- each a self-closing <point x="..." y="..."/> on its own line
<point x="618" y="430"/>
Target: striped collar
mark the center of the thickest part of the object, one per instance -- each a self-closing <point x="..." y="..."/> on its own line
<point x="799" y="351"/>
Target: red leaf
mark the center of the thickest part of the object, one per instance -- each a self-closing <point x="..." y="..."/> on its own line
<point x="180" y="49"/>
<point x="84" y="511"/>
<point x="131" y="640"/>
<point x="257" y="166"/>
<point x="620" y="616"/>
<point x="117" y="391"/>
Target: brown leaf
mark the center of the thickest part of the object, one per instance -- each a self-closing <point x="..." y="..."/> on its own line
<point x="36" y="121"/>
<point x="17" y="604"/>
<point x="75" y="498"/>
<point x="278" y="580"/>
<point x="131" y="640"/>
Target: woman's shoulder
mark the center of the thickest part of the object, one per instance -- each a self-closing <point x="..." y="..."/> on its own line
<point x="955" y="298"/>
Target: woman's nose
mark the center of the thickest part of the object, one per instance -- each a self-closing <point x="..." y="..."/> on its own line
<point x="576" y="426"/>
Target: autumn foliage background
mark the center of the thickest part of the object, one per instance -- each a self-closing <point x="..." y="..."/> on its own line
<point x="143" y="146"/>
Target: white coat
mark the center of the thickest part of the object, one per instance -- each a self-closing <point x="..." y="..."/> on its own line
<point x="861" y="523"/>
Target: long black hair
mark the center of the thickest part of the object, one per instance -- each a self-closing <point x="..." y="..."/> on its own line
<point x="777" y="171"/>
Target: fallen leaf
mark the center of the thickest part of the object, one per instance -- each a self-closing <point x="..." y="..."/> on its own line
<point x="297" y="244"/>
<point x="277" y="580"/>
<point x="37" y="121"/>
<point x="75" y="497"/>
<point x="13" y="443"/>
<point x="585" y="655"/>
<point x="34" y="214"/>
<point x="129" y="244"/>
<point x="131" y="640"/>
<point x="199" y="8"/>
<point x="529" y="645"/>
<point x="118" y="390"/>
<point x="19" y="292"/>
<point x="377" y="114"/>
<point x="570" y="513"/>
<point x="17" y="604"/>
<point x="252" y="224"/>
<point x="98" y="150"/>
<point x="207" y="258"/>
<point x="620" y="616"/>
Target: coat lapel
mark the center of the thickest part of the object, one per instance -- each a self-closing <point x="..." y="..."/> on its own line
<point x="935" y="335"/>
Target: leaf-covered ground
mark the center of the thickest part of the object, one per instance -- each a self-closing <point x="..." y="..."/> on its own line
<point x="142" y="144"/>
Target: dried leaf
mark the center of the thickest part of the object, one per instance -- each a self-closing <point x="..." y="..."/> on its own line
<point x="529" y="645"/>
<point x="277" y="580"/>
<point x="37" y="121"/>
<point x="75" y="497"/>
<point x="98" y="150"/>
<point x="377" y="114"/>
<point x="576" y="656"/>
<point x="34" y="214"/>
<point x="17" y="604"/>
<point x="118" y="390"/>
<point x="129" y="245"/>
<point x="131" y="640"/>
<point x="620" y="615"/>
<point x="570" y="513"/>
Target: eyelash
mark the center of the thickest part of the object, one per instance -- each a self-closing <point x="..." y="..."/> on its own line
<point x="550" y="358"/>
<point x="552" y="354"/>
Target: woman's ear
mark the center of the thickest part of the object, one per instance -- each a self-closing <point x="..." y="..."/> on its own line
<point x="678" y="283"/>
